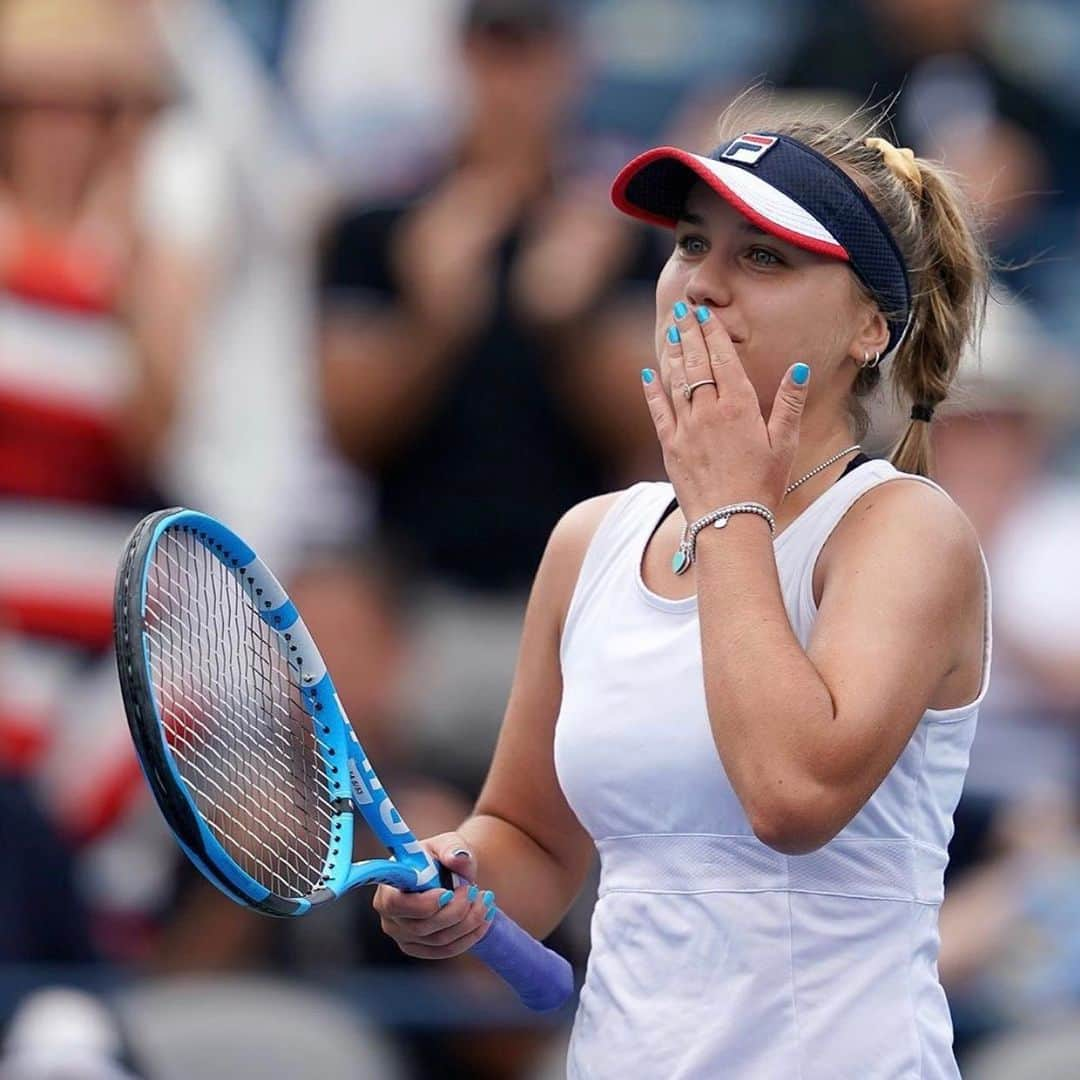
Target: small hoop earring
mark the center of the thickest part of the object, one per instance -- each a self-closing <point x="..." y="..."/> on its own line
<point x="868" y="363"/>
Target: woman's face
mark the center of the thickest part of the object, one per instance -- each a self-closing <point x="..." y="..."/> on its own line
<point x="52" y="143"/>
<point x="780" y="304"/>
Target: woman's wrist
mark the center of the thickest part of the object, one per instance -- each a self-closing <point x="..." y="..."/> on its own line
<point x="717" y="519"/>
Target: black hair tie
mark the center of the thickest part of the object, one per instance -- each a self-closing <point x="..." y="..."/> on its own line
<point x="922" y="411"/>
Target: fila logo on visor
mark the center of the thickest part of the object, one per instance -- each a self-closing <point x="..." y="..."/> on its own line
<point x="749" y="149"/>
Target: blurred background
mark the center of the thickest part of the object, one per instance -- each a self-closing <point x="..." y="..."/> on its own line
<point x="345" y="274"/>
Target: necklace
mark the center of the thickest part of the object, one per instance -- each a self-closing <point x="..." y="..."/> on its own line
<point x="684" y="555"/>
<point x="824" y="465"/>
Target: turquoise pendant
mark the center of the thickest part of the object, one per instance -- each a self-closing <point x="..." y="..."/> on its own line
<point x="680" y="561"/>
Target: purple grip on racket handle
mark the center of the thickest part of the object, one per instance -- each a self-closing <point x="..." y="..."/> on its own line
<point x="541" y="978"/>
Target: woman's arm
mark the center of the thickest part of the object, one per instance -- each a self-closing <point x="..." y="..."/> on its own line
<point x="534" y="851"/>
<point x="806" y="737"/>
<point x="523" y="841"/>
<point x="380" y="374"/>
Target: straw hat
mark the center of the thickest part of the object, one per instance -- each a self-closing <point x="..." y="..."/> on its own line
<point x="77" y="48"/>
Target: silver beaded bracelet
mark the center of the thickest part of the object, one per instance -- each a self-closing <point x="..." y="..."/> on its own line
<point x="686" y="553"/>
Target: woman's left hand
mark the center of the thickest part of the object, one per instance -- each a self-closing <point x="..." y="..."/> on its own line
<point x="717" y="447"/>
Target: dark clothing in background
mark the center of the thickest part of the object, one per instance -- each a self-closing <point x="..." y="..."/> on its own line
<point x="472" y="494"/>
<point x="41" y="916"/>
<point x="848" y="48"/>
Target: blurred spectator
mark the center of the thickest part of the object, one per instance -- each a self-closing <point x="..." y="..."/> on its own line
<point x="1049" y="1052"/>
<point x="232" y="183"/>
<point x="647" y="56"/>
<point x="1009" y="927"/>
<point x="993" y="454"/>
<point x="375" y="121"/>
<point x="89" y="358"/>
<point x="79" y="84"/>
<point x="479" y="354"/>
<point x="109" y="220"/>
<point x="42" y="920"/>
<point x="267" y="24"/>
<point x="1010" y="931"/>
<point x="61" y="1034"/>
<point x="959" y="101"/>
<point x="238" y="1028"/>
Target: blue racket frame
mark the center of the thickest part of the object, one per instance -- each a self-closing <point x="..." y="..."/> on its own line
<point x="542" y="978"/>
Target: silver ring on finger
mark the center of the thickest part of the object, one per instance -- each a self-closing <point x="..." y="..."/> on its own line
<point x="688" y="391"/>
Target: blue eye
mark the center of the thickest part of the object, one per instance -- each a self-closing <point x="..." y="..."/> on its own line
<point x="764" y="257"/>
<point x="692" y="245"/>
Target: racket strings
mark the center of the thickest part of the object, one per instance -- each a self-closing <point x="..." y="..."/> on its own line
<point x="260" y="755"/>
<point x="190" y="736"/>
<point x="212" y="662"/>
<point x="219" y="739"/>
<point x="179" y="733"/>
<point x="234" y="719"/>
<point x="238" y="830"/>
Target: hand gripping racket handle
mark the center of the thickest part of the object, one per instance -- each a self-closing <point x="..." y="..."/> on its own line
<point x="541" y="978"/>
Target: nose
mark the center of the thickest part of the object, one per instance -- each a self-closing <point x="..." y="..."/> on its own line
<point x="709" y="284"/>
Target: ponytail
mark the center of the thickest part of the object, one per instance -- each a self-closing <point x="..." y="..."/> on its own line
<point x="949" y="296"/>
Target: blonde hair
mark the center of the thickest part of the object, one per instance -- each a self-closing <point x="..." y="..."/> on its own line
<point x="939" y="236"/>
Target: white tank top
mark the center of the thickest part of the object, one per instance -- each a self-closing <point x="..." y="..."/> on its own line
<point x="712" y="954"/>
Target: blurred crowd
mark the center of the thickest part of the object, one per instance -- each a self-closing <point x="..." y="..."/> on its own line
<point x="345" y="275"/>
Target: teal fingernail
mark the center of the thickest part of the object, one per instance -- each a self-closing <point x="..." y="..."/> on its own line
<point x="474" y="892"/>
<point x="647" y="375"/>
<point x="702" y="314"/>
<point x="800" y="373"/>
<point x="673" y="335"/>
<point x="489" y="898"/>
<point x="445" y="898"/>
<point x="490" y="915"/>
<point x="680" y="310"/>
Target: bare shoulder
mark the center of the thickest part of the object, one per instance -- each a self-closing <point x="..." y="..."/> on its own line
<point x="566" y="549"/>
<point x="575" y="529"/>
<point x="903" y="571"/>
<point x="908" y="528"/>
<point x="908" y="508"/>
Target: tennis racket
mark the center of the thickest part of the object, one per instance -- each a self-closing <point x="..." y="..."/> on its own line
<point x="248" y="750"/>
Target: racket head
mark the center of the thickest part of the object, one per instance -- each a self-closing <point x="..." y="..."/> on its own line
<point x="237" y="724"/>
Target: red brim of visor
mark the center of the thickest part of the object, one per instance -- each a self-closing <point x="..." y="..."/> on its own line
<point x="654" y="185"/>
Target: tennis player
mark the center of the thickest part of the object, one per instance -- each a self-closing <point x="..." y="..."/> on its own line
<point x="753" y="689"/>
